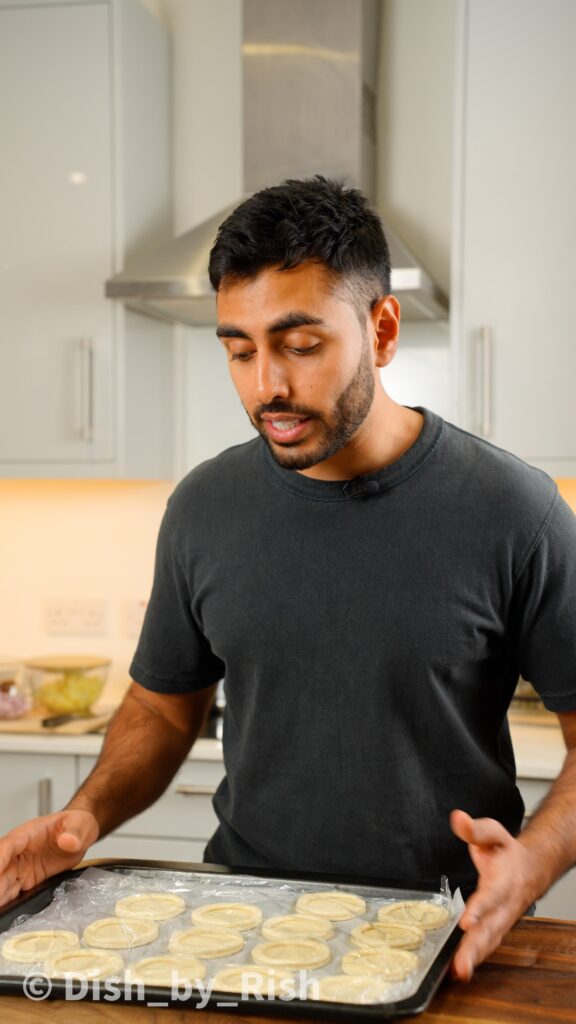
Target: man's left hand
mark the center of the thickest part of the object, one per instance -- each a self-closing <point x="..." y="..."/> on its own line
<point x="506" y="888"/>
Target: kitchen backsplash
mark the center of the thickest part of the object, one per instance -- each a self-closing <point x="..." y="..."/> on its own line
<point x="76" y="541"/>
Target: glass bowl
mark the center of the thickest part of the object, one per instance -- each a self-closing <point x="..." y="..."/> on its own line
<point x="67" y="684"/>
<point x="15" y="698"/>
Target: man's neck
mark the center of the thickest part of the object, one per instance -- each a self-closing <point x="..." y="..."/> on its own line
<point x="388" y="431"/>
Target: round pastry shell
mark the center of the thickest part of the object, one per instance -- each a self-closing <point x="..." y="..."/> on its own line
<point x="424" y="914"/>
<point x="160" y="970"/>
<point x="292" y="953"/>
<point x="249" y="979"/>
<point x="336" y="906"/>
<point x="238" y="917"/>
<point x="96" y="964"/>
<point x="206" y="943"/>
<point x="150" y="906"/>
<point x="28" y="947"/>
<point x="299" y="926"/>
<point x="120" y="932"/>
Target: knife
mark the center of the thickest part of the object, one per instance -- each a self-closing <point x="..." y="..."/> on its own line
<point x="54" y="720"/>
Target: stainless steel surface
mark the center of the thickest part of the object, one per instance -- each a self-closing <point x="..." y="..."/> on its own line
<point x="44" y="796"/>
<point x="309" y="79"/>
<point x="195" y="790"/>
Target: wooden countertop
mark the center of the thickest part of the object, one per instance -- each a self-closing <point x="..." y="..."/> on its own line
<point x="531" y="978"/>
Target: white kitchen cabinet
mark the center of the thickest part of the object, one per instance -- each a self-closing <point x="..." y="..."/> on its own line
<point x="177" y="826"/>
<point x="33" y="784"/>
<point x="512" y="301"/>
<point x="85" y="388"/>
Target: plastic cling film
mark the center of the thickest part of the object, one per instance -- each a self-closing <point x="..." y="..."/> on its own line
<point x="94" y="895"/>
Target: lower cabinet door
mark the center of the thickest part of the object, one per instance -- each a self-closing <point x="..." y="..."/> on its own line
<point x="184" y="812"/>
<point x="124" y="846"/>
<point x="34" y="784"/>
<point x="560" y="901"/>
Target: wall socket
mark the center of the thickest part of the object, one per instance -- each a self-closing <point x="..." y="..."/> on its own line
<point x="75" y="617"/>
<point x="133" y="618"/>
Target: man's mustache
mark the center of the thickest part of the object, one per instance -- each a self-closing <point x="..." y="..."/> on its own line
<point x="278" y="406"/>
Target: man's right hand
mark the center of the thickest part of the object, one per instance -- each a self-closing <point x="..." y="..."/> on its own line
<point x="43" y="847"/>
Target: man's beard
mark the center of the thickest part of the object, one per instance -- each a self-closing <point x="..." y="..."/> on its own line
<point x="349" y="412"/>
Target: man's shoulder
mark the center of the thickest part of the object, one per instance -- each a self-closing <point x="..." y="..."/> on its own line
<point x="497" y="478"/>
<point x="217" y="478"/>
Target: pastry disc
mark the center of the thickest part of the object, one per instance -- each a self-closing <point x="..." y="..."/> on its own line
<point x="152" y="906"/>
<point x="298" y="926"/>
<point x="248" y="979"/>
<point x="381" y="934"/>
<point x="206" y="942"/>
<point x="341" y="988"/>
<point x="391" y="964"/>
<point x="84" y="963"/>
<point x="294" y="953"/>
<point x="26" y="947"/>
<point x="166" y="970"/>
<point x="239" y="916"/>
<point x="336" y="906"/>
<point x="423" y="913"/>
<point x="120" y="932"/>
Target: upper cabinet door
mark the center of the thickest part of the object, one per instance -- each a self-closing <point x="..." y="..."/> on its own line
<point x="56" y="241"/>
<point x="517" y="224"/>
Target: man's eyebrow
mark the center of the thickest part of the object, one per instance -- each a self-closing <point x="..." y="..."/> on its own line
<point x="228" y="331"/>
<point x="284" y="323"/>
<point x="291" y="320"/>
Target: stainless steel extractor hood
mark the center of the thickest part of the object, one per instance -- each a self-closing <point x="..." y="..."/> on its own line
<point x="310" y="69"/>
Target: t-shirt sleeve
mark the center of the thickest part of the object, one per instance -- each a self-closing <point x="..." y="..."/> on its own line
<point x="172" y="655"/>
<point x="544" y="611"/>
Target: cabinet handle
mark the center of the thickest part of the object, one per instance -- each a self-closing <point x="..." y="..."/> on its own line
<point x="485" y="381"/>
<point x="86" y="427"/>
<point x="195" y="790"/>
<point x="44" y="796"/>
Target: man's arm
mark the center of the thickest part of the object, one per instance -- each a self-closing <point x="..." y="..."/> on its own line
<point x="145" y="744"/>
<point x="513" y="873"/>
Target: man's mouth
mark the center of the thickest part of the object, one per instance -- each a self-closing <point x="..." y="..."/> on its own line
<point x="284" y="428"/>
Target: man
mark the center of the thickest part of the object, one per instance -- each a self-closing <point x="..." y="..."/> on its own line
<point x="370" y="581"/>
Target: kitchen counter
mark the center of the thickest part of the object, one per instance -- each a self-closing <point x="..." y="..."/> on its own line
<point x="539" y="749"/>
<point x="530" y="977"/>
<point x="30" y="743"/>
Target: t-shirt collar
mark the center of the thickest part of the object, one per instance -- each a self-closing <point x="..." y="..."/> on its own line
<point x="362" y="486"/>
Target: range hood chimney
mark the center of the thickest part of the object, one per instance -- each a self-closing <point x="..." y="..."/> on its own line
<point x="310" y="69"/>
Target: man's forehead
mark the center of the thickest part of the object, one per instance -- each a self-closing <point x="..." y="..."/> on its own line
<point x="310" y="289"/>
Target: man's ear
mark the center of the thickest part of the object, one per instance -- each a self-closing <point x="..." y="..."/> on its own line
<point x="384" y="325"/>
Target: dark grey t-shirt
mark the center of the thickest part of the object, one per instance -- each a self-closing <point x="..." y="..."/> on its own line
<point x="371" y="634"/>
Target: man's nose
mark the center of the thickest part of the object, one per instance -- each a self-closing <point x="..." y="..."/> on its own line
<point x="272" y="381"/>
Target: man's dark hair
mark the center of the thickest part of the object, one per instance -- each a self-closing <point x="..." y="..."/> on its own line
<point x="313" y="219"/>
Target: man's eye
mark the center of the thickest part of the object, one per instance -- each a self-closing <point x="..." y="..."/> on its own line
<point x="304" y="351"/>
<point x="243" y="356"/>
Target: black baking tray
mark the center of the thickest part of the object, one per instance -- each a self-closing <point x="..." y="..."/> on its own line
<point x="37" y="899"/>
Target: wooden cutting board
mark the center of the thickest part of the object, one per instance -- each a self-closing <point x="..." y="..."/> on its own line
<point x="32" y="723"/>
